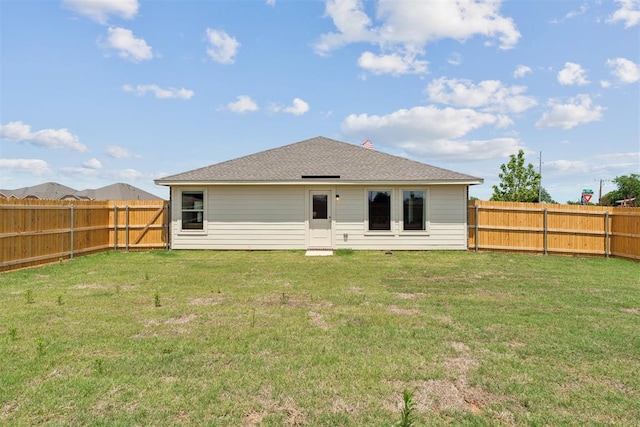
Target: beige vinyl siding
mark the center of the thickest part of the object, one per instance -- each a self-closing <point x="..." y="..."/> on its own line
<point x="248" y="217"/>
<point x="445" y="215"/>
<point x="265" y="217"/>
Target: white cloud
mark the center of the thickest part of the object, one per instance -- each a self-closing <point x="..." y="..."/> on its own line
<point x="298" y="108"/>
<point x="159" y="92"/>
<point x="128" y="46"/>
<point x="271" y="2"/>
<point x="455" y="59"/>
<point x="579" y="110"/>
<point x="127" y="174"/>
<point x="351" y="22"/>
<point x="610" y="163"/>
<point x="629" y="13"/>
<point x="432" y="131"/>
<point x="117" y="152"/>
<point x="33" y="166"/>
<point x="394" y="64"/>
<point x="521" y="71"/>
<point x="605" y="84"/>
<point x="243" y="105"/>
<point x="572" y="14"/>
<point x="100" y="10"/>
<point x="404" y="28"/>
<point x="51" y="138"/>
<point x="572" y="74"/>
<point x="222" y="47"/>
<point x="624" y="70"/>
<point x="92" y="164"/>
<point x="490" y="95"/>
<point x="566" y="166"/>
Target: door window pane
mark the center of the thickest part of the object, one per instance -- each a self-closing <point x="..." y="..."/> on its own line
<point x="413" y="210"/>
<point x="320" y="206"/>
<point x="379" y="210"/>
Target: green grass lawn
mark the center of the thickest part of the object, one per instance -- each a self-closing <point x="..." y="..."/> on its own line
<point x="277" y="338"/>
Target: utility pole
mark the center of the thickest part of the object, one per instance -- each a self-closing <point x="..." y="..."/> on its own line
<point x="540" y="183"/>
<point x="600" y="192"/>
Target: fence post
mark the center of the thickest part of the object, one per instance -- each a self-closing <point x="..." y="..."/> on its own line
<point x="165" y="225"/>
<point x="126" y="227"/>
<point x="115" y="227"/>
<point x="545" y="225"/>
<point x="71" y="233"/>
<point x="477" y="227"/>
<point x="607" y="242"/>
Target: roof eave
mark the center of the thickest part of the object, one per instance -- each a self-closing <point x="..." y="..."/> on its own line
<point x="193" y="183"/>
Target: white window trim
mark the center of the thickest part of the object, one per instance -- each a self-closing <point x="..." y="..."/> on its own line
<point x="204" y="212"/>
<point x="393" y="214"/>
<point x="427" y="222"/>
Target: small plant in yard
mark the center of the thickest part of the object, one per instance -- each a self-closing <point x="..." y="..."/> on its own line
<point x="146" y="276"/>
<point x="284" y="298"/>
<point x="28" y="296"/>
<point x="407" y="416"/>
<point x="98" y="365"/>
<point x="156" y="299"/>
<point x="253" y="317"/>
<point x="13" y="333"/>
<point x="40" y="347"/>
<point x="59" y="299"/>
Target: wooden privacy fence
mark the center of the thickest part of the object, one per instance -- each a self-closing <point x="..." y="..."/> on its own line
<point x="549" y="228"/>
<point x="34" y="232"/>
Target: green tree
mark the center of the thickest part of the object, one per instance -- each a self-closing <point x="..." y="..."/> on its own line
<point x="518" y="183"/>
<point x="628" y="188"/>
<point x="545" y="197"/>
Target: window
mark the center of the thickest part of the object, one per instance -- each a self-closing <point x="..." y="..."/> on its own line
<point x="192" y="210"/>
<point x="413" y="210"/>
<point x="320" y="206"/>
<point x="379" y="210"/>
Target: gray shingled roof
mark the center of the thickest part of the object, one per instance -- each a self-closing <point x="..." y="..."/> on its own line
<point x="318" y="157"/>
<point x="55" y="191"/>
<point x="118" y="191"/>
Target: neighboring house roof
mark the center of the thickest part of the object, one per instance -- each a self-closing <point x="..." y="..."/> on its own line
<point x="627" y="202"/>
<point x="55" y="191"/>
<point x="119" y="191"/>
<point x="321" y="159"/>
<point x="48" y="190"/>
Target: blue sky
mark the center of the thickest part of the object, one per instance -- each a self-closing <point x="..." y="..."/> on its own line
<point x="104" y="91"/>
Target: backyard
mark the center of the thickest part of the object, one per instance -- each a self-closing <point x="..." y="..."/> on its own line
<point x="277" y="338"/>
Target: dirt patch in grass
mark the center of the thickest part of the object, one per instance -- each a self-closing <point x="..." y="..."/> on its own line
<point x="284" y="299"/>
<point x="8" y="408"/>
<point x="181" y="320"/>
<point x="631" y="311"/>
<point x="205" y="301"/>
<point x="402" y="311"/>
<point x="318" y="321"/>
<point x="90" y="286"/>
<point x="341" y="406"/>
<point x="451" y="394"/>
<point x="408" y="296"/>
<point x="294" y="416"/>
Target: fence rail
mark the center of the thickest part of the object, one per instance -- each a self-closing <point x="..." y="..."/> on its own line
<point x="34" y="232"/>
<point x="563" y="229"/>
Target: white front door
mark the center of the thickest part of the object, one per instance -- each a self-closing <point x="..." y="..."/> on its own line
<point x="320" y="234"/>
